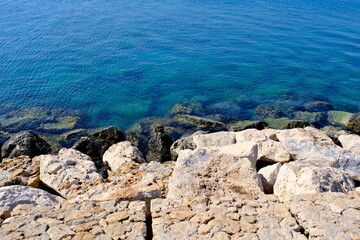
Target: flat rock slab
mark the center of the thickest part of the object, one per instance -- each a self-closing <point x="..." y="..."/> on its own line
<point x="263" y="218"/>
<point x="228" y="171"/>
<point x="328" y="215"/>
<point x="86" y="220"/>
<point x="12" y="196"/>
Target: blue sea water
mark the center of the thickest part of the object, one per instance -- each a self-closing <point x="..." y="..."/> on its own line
<point x="119" y="61"/>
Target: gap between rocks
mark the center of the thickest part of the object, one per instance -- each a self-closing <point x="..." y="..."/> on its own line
<point x="303" y="231"/>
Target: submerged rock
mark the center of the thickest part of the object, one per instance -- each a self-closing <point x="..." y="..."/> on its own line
<point x="268" y="112"/>
<point x="199" y="122"/>
<point x="188" y="107"/>
<point x="97" y="143"/>
<point x="318" y="106"/>
<point x="286" y="123"/>
<point x="338" y="117"/>
<point x="243" y="125"/>
<point x="24" y="143"/>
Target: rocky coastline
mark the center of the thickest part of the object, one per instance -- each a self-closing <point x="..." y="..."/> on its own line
<point x="196" y="174"/>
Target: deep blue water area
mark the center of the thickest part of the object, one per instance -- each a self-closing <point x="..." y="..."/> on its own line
<point x="119" y="61"/>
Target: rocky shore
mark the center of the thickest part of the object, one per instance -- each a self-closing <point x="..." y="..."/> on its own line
<point x="186" y="176"/>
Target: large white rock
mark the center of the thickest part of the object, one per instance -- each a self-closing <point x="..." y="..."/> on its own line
<point x="268" y="176"/>
<point x="121" y="153"/>
<point x="215" y="173"/>
<point x="272" y="151"/>
<point x="250" y="135"/>
<point x="212" y="140"/>
<point x="66" y="171"/>
<point x="11" y="196"/>
<point x="310" y="145"/>
<point x="298" y="178"/>
<point x="350" y="142"/>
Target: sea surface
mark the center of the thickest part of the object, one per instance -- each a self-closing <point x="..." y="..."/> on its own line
<point x="121" y="60"/>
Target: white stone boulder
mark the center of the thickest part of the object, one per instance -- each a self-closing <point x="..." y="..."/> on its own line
<point x="121" y="153"/>
<point x="310" y="145"/>
<point x="298" y="178"/>
<point x="350" y="142"/>
<point x="212" y="140"/>
<point x="268" y="176"/>
<point x="11" y="196"/>
<point x="215" y="173"/>
<point x="272" y="151"/>
<point x="70" y="169"/>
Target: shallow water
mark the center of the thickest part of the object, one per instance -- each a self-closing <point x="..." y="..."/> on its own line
<point x="120" y="61"/>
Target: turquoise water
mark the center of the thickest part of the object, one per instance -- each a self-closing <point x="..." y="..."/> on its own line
<point x="119" y="61"/>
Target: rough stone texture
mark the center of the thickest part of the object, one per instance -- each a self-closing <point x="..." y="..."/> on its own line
<point x="182" y="144"/>
<point x="268" y="112"/>
<point x="350" y="142"/>
<point x="86" y="220"/>
<point x="20" y="171"/>
<point x="11" y="196"/>
<point x="328" y="215"/>
<point x="310" y="145"/>
<point x="205" y="172"/>
<point x="159" y="145"/>
<point x="212" y="140"/>
<point x="263" y="218"/>
<point x="354" y="123"/>
<point x="96" y="144"/>
<point x="268" y="176"/>
<point x="272" y="151"/>
<point x="24" y="143"/>
<point x="297" y="178"/>
<point x="132" y="181"/>
<point x="67" y="171"/>
<point x="350" y="159"/>
<point x="121" y="153"/>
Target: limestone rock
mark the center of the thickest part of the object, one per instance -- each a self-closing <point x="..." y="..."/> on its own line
<point x="328" y="215"/>
<point x="350" y="142"/>
<point x="205" y="172"/>
<point x="339" y="117"/>
<point x="182" y="144"/>
<point x="212" y="140"/>
<point x="24" y="143"/>
<point x="11" y="196"/>
<point x="78" y="221"/>
<point x="96" y="144"/>
<point x="19" y="171"/>
<point x="268" y="177"/>
<point x="272" y="151"/>
<point x="66" y="171"/>
<point x="310" y="145"/>
<point x="298" y="178"/>
<point x="121" y="153"/>
<point x="262" y="218"/>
